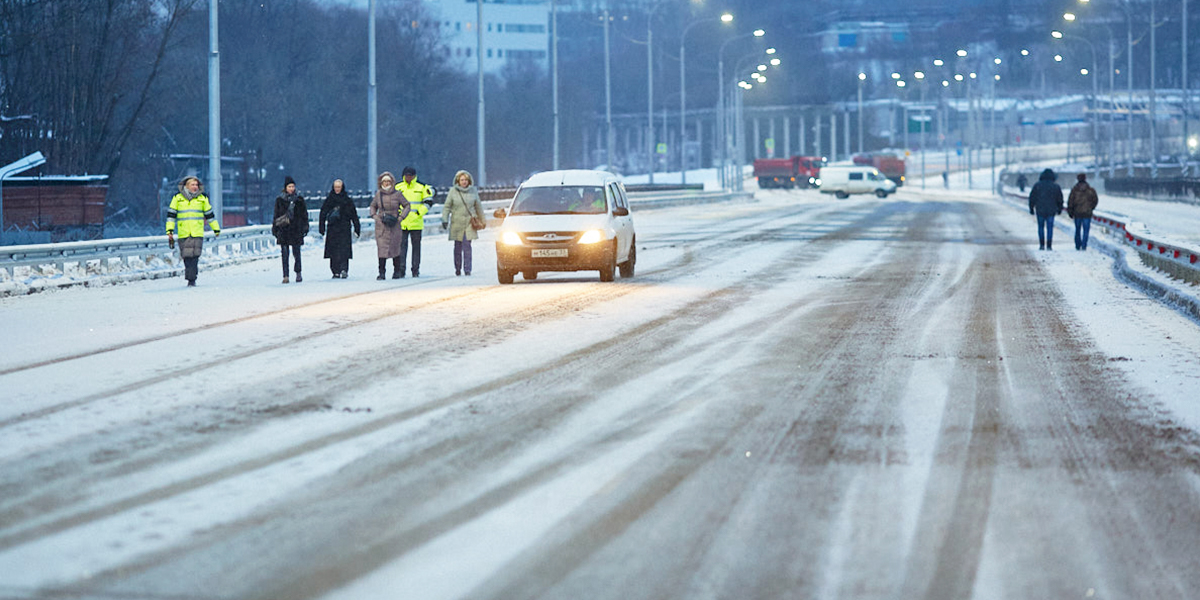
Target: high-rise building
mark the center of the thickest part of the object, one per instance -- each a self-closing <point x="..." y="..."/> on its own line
<point x="513" y="30"/>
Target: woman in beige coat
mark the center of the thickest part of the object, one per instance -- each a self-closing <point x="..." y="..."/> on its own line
<point x="462" y="203"/>
<point x="388" y="208"/>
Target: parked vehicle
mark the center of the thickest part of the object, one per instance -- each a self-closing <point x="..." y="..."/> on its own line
<point x="889" y="164"/>
<point x="776" y="172"/>
<point x="857" y="179"/>
<point x="809" y="169"/>
<point x="787" y="172"/>
<point x="572" y="220"/>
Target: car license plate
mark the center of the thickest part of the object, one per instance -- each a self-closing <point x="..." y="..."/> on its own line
<point x="550" y="253"/>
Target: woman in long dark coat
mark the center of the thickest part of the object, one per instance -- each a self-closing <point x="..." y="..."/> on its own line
<point x="337" y="215"/>
<point x="291" y="236"/>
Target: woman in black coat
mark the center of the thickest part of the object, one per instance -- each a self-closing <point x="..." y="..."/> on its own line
<point x="289" y="233"/>
<point x="337" y="215"/>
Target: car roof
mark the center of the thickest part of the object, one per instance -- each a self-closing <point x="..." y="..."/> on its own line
<point x="569" y="177"/>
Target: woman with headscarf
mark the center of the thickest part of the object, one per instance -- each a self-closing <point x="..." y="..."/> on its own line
<point x="337" y="216"/>
<point x="388" y="208"/>
<point x="290" y="225"/>
<point x="462" y="205"/>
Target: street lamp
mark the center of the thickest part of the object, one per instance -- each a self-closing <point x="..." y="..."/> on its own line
<point x="1058" y="35"/>
<point x="722" y="132"/>
<point x="650" y="88"/>
<point x="861" y="78"/>
<point x="725" y="18"/>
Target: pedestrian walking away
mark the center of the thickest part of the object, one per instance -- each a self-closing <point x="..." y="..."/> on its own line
<point x="186" y="215"/>
<point x="388" y="208"/>
<point x="290" y="225"/>
<point x="338" y="215"/>
<point x="1046" y="201"/>
<point x="1022" y="181"/>
<point x="1080" y="205"/>
<point x="420" y="199"/>
<point x="462" y="205"/>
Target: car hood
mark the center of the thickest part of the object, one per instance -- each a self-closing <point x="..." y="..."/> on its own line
<point x="555" y="222"/>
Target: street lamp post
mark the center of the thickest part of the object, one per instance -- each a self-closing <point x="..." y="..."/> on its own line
<point x="1091" y="48"/>
<point x="920" y="76"/>
<point x="214" y="114"/>
<point x="650" y="145"/>
<point x="553" y="75"/>
<point x="480" y="118"/>
<point x="725" y="18"/>
<point x="723" y="133"/>
<point x="861" y="78"/>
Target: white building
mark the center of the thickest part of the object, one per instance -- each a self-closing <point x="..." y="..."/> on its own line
<point x="513" y="30"/>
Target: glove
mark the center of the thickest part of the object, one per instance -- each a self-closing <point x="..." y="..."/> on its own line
<point x="321" y="230"/>
<point x="443" y="227"/>
<point x="428" y="202"/>
<point x="171" y="241"/>
<point x="217" y="234"/>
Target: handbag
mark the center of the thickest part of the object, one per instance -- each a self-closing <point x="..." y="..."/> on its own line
<point x="477" y="222"/>
<point x="389" y="220"/>
<point x="284" y="220"/>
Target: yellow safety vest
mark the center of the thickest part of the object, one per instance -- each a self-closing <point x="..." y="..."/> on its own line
<point x="190" y="216"/>
<point x="416" y="193"/>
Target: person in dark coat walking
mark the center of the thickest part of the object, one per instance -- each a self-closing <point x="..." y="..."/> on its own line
<point x="1080" y="205"/>
<point x="1046" y="200"/>
<point x="289" y="232"/>
<point x="1022" y="181"/>
<point x="338" y="214"/>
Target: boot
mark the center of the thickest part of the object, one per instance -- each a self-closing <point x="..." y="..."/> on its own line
<point x="298" y="277"/>
<point x="285" y="279"/>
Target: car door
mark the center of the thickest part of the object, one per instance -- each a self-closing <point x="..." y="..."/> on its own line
<point x="857" y="183"/>
<point x="623" y="225"/>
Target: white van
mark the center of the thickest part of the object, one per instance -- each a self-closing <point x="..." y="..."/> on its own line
<point x="854" y="179"/>
<point x="572" y="220"/>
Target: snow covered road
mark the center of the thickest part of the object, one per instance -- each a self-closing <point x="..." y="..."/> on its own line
<point x="796" y="397"/>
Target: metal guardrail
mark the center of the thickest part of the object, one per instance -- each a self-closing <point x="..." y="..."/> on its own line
<point x="236" y="244"/>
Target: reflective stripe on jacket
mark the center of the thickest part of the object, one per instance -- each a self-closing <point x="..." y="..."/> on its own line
<point x="188" y="216"/>
<point x="416" y="193"/>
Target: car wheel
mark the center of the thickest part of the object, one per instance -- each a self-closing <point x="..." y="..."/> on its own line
<point x="504" y="276"/>
<point x="881" y="193"/>
<point x="842" y="195"/>
<point x="627" y="267"/>
<point x="608" y="271"/>
<point x="529" y="275"/>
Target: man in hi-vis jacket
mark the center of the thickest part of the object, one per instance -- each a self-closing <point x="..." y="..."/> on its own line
<point x="187" y="213"/>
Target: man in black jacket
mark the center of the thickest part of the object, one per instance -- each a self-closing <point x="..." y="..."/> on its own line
<point x="1046" y="200"/>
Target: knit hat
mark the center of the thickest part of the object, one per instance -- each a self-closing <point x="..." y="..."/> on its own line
<point x="408" y="171"/>
<point x="288" y="180"/>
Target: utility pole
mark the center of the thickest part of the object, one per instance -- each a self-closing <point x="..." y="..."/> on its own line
<point x="480" y="118"/>
<point x="214" y="115"/>
<point x="372" y="106"/>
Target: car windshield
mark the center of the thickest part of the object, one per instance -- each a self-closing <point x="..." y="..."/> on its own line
<point x="560" y="200"/>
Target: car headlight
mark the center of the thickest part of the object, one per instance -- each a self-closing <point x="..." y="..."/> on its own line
<point x="511" y="238"/>
<point x="591" y="236"/>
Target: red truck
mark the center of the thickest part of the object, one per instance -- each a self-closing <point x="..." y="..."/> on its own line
<point x="890" y="165"/>
<point x="787" y="172"/>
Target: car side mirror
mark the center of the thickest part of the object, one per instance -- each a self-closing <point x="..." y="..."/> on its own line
<point x="500" y="214"/>
<point x="621" y="211"/>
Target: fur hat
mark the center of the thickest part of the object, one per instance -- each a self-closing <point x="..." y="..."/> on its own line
<point x="183" y="183"/>
<point x="387" y="174"/>
<point x="288" y="180"/>
<point x="460" y="174"/>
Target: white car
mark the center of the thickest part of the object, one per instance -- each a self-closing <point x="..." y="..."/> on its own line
<point x="574" y="220"/>
<point x="857" y="179"/>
